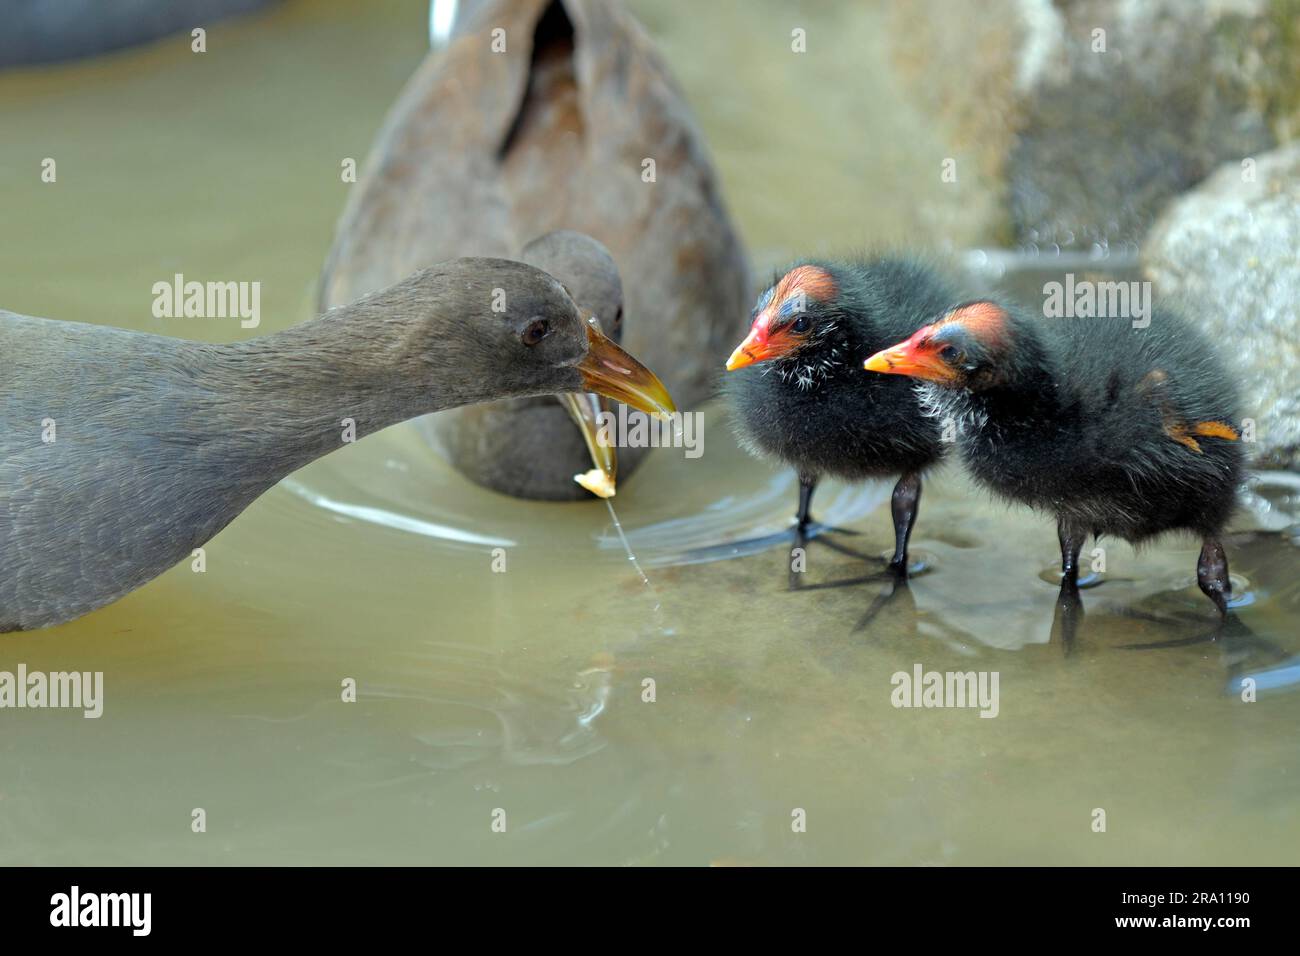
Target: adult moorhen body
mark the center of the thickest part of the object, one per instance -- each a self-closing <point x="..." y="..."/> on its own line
<point x="120" y="452"/>
<point x="796" y="388"/>
<point x="1112" y="428"/>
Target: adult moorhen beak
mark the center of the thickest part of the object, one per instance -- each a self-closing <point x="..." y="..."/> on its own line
<point x="912" y="357"/>
<point x="609" y="371"/>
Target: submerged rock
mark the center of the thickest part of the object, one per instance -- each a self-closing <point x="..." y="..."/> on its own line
<point x="1230" y="249"/>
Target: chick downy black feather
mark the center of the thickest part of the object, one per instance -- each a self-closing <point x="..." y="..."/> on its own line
<point x="811" y="407"/>
<point x="1113" y="427"/>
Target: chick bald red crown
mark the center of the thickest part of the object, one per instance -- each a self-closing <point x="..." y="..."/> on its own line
<point x="771" y="335"/>
<point x="920" y="355"/>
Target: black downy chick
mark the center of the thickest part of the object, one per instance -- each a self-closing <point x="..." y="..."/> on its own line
<point x="1113" y="429"/>
<point x="797" y="392"/>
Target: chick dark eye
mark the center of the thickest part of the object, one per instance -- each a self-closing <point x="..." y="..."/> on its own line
<point x="536" y="331"/>
<point x="948" y="353"/>
<point x="801" y="325"/>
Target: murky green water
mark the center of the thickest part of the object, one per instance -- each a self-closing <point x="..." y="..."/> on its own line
<point x="523" y="690"/>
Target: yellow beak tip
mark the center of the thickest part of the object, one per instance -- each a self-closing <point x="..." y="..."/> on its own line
<point x="738" y="360"/>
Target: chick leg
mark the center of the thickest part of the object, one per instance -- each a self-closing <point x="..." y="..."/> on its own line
<point x="1069" y="606"/>
<point x="808" y="528"/>
<point x="1212" y="574"/>
<point x="807" y="485"/>
<point x="803" y="532"/>
<point x="1071" y="540"/>
<point x="803" y="518"/>
<point x="905" y="503"/>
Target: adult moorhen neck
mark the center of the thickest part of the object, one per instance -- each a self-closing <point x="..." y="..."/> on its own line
<point x="121" y="452"/>
<point x="796" y="389"/>
<point x="1113" y="429"/>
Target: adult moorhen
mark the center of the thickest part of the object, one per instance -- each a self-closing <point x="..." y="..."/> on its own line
<point x="121" y="452"/>
<point x="542" y="115"/>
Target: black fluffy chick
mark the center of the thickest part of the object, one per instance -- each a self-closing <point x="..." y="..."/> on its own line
<point x="796" y="388"/>
<point x="1112" y="428"/>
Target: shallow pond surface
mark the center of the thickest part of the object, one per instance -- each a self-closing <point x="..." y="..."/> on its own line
<point x="523" y="690"/>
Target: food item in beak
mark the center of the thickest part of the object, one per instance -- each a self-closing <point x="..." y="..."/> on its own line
<point x="598" y="481"/>
<point x="585" y="408"/>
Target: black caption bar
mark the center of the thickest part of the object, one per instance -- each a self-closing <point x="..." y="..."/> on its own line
<point x="1227" y="905"/>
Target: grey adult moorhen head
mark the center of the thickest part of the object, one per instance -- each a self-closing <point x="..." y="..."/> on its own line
<point x="514" y="446"/>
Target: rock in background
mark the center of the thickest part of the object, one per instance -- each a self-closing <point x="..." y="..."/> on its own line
<point x="1085" y="135"/>
<point x="1093" y="119"/>
<point x="1230" y="249"/>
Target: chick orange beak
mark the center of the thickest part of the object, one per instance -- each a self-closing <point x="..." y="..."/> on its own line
<point x="912" y="358"/>
<point x="753" y="349"/>
<point x="759" y="346"/>
<point x="609" y="371"/>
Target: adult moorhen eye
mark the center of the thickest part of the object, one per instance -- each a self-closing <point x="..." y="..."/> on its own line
<point x="618" y="318"/>
<point x="536" y="331"/>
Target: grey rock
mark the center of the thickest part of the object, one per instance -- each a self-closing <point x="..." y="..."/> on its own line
<point x="1230" y="250"/>
<point x="1118" y="123"/>
<point x="1083" y="136"/>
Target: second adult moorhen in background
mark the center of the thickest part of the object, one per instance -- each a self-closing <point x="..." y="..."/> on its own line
<point x="542" y="115"/>
<point x="796" y="388"/>
<point x="1112" y="428"/>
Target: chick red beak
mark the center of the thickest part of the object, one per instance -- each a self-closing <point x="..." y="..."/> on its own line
<point x="760" y="345"/>
<point x="753" y="349"/>
<point x="913" y="357"/>
<point x="609" y="371"/>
